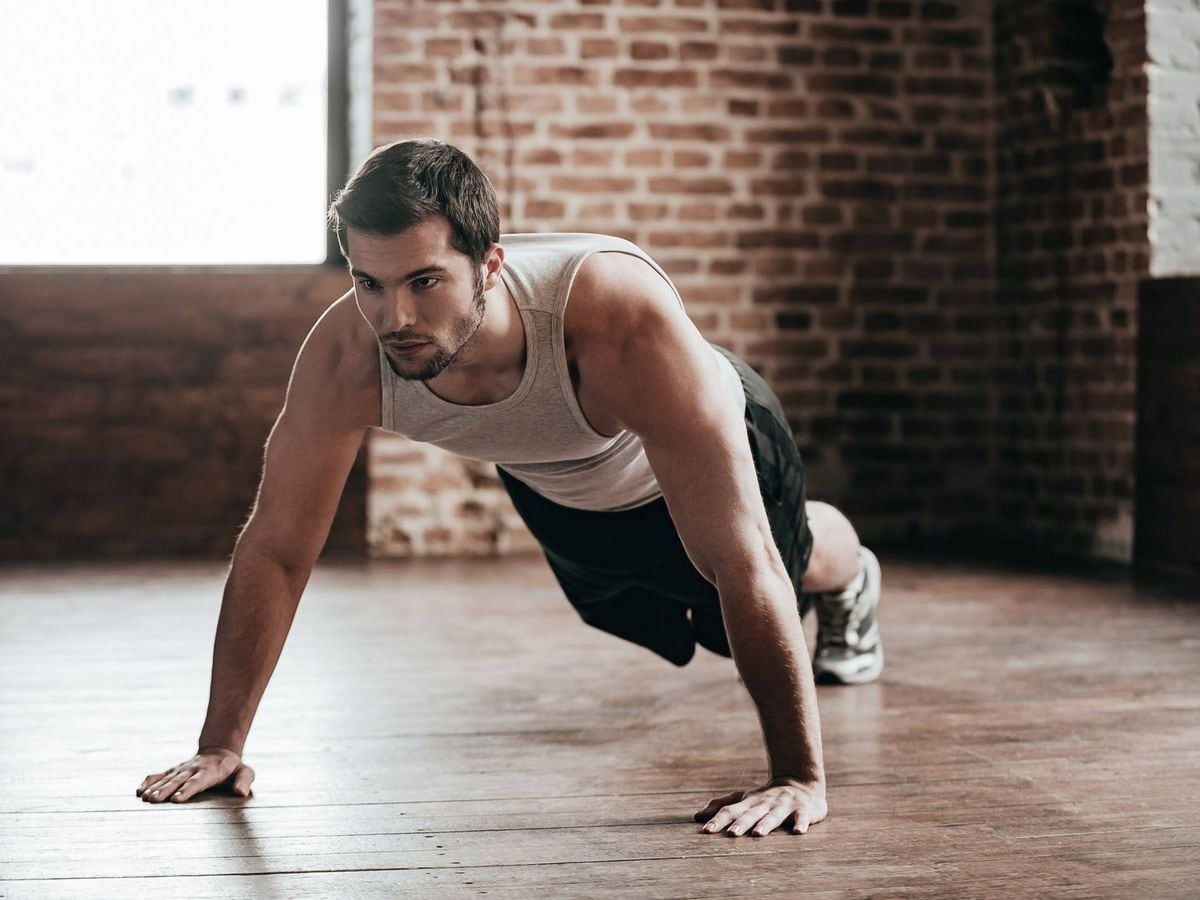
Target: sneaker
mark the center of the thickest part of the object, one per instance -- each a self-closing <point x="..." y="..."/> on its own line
<point x="848" y="647"/>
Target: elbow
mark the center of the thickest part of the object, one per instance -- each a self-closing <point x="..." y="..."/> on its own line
<point x="760" y="574"/>
<point x="258" y="547"/>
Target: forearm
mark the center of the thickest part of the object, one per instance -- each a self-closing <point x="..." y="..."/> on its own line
<point x="259" y="604"/>
<point x="767" y="640"/>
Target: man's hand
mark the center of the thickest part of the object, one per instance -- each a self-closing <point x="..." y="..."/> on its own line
<point x="763" y="809"/>
<point x="210" y="767"/>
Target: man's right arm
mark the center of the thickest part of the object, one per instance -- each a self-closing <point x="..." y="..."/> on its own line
<point x="333" y="396"/>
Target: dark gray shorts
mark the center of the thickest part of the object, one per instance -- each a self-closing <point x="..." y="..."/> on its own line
<point x="627" y="572"/>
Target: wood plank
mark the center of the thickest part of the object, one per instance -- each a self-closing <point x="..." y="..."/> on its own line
<point x="453" y="730"/>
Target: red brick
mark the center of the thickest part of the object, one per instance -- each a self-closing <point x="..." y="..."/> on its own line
<point x="592" y="184"/>
<point x="812" y="134"/>
<point x="674" y="185"/>
<point x="404" y="73"/>
<point x="698" y="212"/>
<point x="742" y="159"/>
<point x="643" y="50"/>
<point x="596" y="104"/>
<point x="683" y="159"/>
<point x="760" y="26"/>
<point x="648" y="212"/>
<point x="894" y="9"/>
<point x="390" y="102"/>
<point x="570" y="76"/>
<point x="790" y="186"/>
<point x="859" y="85"/>
<point x="689" y="132"/>
<point x="746" y="54"/>
<point x="661" y="78"/>
<point x="837" y="161"/>
<point x="698" y="51"/>
<point x="598" y="48"/>
<point x="389" y="43"/>
<point x="797" y="55"/>
<point x="445" y="47"/>
<point x="578" y="21"/>
<point x="822" y="214"/>
<point x="544" y="209"/>
<point x="432" y="101"/>
<point x="599" y="210"/>
<point x="404" y="18"/>
<point x="593" y="157"/>
<point x="823" y="33"/>
<point x="735" y="266"/>
<point x="595" y="130"/>
<point x="748" y="211"/>
<point x="544" y="46"/>
<point x="649" y="104"/>
<point x="646" y="157"/>
<point x="841" y="57"/>
<point x="751" y="79"/>
<point x="778" y="237"/>
<point x="669" y="24"/>
<point x="697" y="239"/>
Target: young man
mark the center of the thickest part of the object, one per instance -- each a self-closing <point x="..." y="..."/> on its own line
<point x="656" y="470"/>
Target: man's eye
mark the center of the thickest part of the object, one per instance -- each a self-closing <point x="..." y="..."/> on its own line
<point x="427" y="281"/>
<point x="368" y="284"/>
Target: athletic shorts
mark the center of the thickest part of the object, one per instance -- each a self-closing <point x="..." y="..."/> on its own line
<point x="627" y="573"/>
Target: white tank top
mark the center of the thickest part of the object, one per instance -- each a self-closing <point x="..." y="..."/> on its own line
<point x="539" y="433"/>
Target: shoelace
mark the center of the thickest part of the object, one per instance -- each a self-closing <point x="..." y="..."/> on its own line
<point x="834" y="620"/>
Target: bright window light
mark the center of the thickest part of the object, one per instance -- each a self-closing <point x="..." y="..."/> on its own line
<point x="151" y="132"/>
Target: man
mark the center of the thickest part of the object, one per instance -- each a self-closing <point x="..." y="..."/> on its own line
<point x="656" y="470"/>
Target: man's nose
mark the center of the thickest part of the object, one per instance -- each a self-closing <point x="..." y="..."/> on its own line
<point x="399" y="311"/>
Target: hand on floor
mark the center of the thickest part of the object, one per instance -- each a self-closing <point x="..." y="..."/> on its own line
<point x="209" y="768"/>
<point x="761" y="810"/>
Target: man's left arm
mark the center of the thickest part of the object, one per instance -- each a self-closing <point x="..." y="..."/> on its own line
<point x="651" y="371"/>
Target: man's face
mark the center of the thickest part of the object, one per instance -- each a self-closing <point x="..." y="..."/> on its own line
<point x="424" y="298"/>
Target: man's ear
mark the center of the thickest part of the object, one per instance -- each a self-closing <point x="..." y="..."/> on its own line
<point x="493" y="265"/>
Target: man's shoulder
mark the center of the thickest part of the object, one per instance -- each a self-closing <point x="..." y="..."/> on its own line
<point x="339" y="362"/>
<point x="618" y="293"/>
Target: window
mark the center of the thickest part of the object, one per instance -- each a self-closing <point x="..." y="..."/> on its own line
<point x="145" y="132"/>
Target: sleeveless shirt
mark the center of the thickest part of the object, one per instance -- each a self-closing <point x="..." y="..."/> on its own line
<point x="539" y="433"/>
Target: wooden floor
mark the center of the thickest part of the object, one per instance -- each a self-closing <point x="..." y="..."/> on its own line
<point x="451" y="729"/>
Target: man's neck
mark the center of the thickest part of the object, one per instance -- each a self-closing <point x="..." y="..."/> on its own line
<point x="490" y="367"/>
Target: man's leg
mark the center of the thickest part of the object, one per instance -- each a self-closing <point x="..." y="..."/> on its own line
<point x="625" y="573"/>
<point x="834" y="560"/>
<point x="842" y="583"/>
<point x="832" y="571"/>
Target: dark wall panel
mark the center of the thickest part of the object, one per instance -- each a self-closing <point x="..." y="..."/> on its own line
<point x="134" y="405"/>
<point x="1168" y="445"/>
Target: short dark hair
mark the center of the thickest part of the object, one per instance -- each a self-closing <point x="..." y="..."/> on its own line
<point x="401" y="184"/>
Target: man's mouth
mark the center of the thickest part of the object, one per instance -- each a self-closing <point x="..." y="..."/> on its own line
<point x="405" y="346"/>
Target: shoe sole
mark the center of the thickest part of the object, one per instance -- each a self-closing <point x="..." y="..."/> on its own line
<point x="870" y="673"/>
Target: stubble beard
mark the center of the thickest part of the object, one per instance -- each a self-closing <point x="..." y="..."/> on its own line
<point x="443" y="355"/>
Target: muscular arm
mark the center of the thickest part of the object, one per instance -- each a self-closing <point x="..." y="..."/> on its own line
<point x="647" y="367"/>
<point x="331" y="399"/>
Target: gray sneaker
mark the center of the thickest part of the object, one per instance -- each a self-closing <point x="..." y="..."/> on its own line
<point x="848" y="647"/>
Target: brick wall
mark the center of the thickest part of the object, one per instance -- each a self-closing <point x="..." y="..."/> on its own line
<point x="924" y="221"/>
<point x="1072" y="246"/>
<point x="815" y="177"/>
<point x="134" y="406"/>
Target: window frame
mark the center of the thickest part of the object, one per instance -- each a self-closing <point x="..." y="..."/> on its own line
<point x="337" y="114"/>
